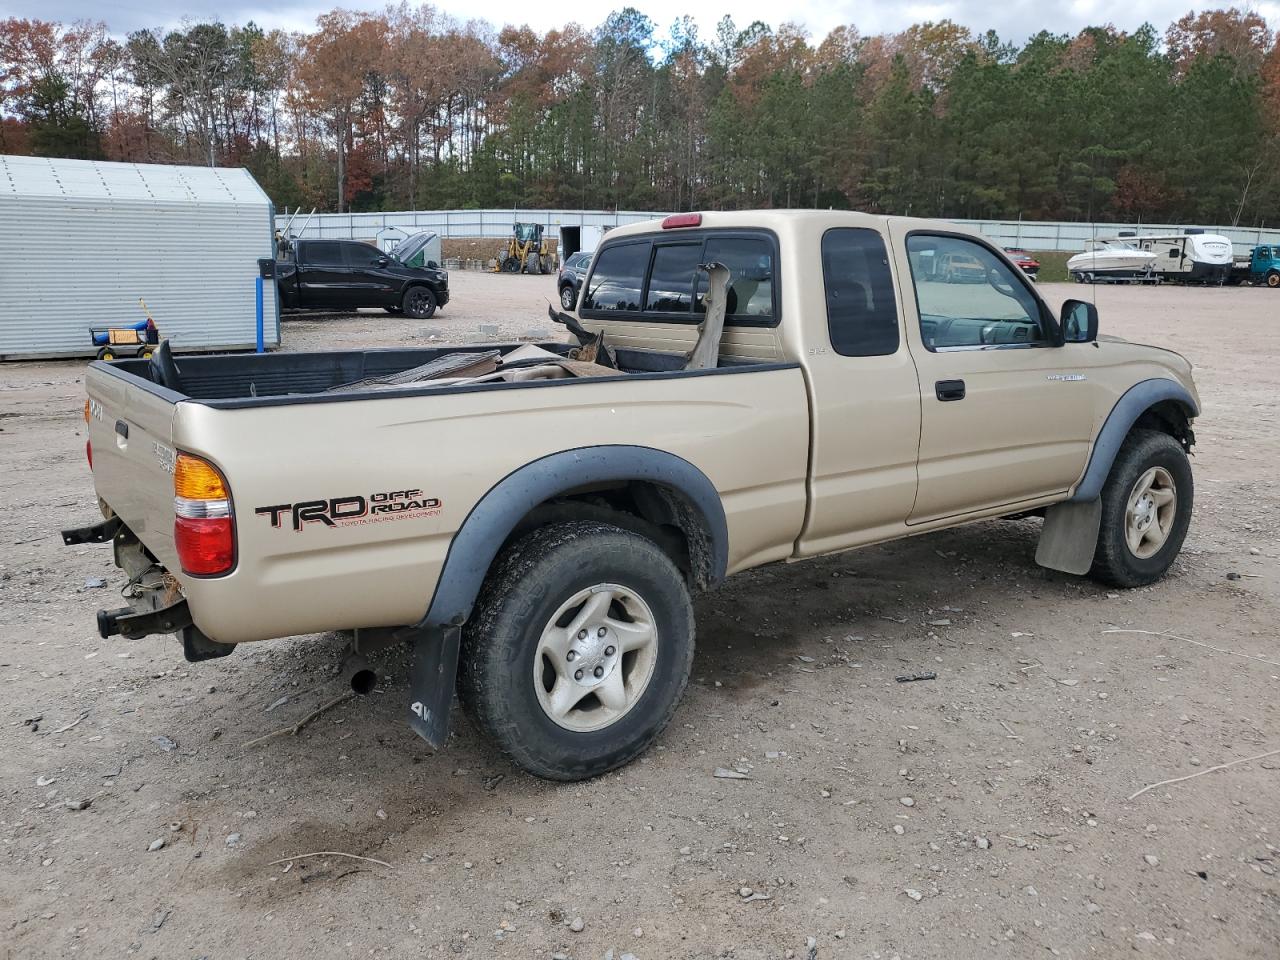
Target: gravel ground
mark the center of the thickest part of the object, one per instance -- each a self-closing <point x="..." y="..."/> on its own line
<point x="982" y="814"/>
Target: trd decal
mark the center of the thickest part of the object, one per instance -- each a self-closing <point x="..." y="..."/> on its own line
<point x="353" y="510"/>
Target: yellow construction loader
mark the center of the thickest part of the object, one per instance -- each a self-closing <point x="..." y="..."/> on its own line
<point x="525" y="251"/>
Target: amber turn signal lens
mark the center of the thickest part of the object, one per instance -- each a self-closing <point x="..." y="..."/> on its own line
<point x="194" y="479"/>
<point x="86" y="410"/>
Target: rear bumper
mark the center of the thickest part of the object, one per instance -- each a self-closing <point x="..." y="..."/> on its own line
<point x="157" y="606"/>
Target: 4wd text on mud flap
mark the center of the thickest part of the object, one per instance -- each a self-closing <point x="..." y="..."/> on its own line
<point x="356" y="509"/>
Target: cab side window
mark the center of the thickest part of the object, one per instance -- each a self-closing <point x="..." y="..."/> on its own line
<point x="324" y="253"/>
<point x="968" y="297"/>
<point x="361" y="254"/>
<point x="862" y="314"/>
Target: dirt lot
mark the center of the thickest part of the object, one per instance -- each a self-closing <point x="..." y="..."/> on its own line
<point x="982" y="814"/>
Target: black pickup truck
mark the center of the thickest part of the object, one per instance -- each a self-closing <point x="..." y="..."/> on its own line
<point x="345" y="274"/>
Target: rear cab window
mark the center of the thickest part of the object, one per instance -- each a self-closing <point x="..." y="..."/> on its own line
<point x="655" y="277"/>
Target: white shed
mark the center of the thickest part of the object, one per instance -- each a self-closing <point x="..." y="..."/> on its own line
<point x="81" y="241"/>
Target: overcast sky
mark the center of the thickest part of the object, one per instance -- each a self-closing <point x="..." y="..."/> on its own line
<point x="1014" y="20"/>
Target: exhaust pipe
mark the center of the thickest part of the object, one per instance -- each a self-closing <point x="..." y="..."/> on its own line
<point x="359" y="673"/>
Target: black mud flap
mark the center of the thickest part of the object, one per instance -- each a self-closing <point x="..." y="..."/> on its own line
<point x="431" y="681"/>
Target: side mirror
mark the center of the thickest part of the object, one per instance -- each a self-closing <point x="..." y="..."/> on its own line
<point x="433" y="265"/>
<point x="1079" y="322"/>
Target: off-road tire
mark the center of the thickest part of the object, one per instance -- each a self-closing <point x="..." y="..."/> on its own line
<point x="419" y="303"/>
<point x="1113" y="562"/>
<point x="526" y="586"/>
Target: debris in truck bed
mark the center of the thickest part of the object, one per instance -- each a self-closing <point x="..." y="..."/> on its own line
<point x="705" y="354"/>
<point x="525" y="363"/>
<point x="451" y="365"/>
<point x="591" y="346"/>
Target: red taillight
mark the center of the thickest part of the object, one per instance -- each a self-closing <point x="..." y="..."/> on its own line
<point x="206" y="546"/>
<point x="204" y="532"/>
<point x="682" y="220"/>
<point x="88" y="452"/>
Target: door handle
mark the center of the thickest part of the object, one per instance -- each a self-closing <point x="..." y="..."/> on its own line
<point x="949" y="390"/>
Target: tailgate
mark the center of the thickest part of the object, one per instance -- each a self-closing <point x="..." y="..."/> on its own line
<point x="130" y="428"/>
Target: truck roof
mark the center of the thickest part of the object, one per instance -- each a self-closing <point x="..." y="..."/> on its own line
<point x="780" y="221"/>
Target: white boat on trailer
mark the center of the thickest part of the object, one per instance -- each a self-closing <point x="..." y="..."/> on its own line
<point x="1113" y="260"/>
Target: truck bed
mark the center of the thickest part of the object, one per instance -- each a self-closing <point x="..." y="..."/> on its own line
<point x="234" y="381"/>
<point x="269" y="426"/>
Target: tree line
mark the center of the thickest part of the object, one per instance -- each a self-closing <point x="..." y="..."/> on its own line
<point x="410" y="108"/>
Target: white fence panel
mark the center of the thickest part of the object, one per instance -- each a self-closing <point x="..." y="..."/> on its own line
<point x="1039" y="235"/>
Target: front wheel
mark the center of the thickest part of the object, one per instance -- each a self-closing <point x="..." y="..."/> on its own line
<point x="1273" y="279"/>
<point x="419" y="303"/>
<point x="579" y="649"/>
<point x="1146" y="509"/>
<point x="567" y="296"/>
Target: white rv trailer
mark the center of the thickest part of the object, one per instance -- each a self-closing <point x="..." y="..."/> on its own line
<point x="1192" y="256"/>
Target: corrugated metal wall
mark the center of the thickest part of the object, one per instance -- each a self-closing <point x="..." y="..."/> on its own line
<point x="1031" y="234"/>
<point x="80" y="242"/>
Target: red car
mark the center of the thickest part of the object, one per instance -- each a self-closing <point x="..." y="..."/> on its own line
<point x="1029" y="264"/>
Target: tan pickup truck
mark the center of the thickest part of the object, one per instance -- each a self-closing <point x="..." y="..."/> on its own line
<point x="539" y="540"/>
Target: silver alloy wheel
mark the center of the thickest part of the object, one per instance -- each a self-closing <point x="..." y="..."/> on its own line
<point x="567" y="297"/>
<point x="595" y="657"/>
<point x="1149" y="513"/>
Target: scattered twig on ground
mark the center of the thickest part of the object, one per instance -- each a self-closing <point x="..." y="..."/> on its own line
<point x="292" y="729"/>
<point x="1198" y="643"/>
<point x="1008" y="729"/>
<point x="1201" y="773"/>
<point x="330" y="853"/>
<point x="73" y="723"/>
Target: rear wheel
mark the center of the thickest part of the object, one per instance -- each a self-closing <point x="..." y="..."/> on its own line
<point x="107" y="353"/>
<point x="419" y="303"/>
<point x="510" y="265"/>
<point x="579" y="649"/>
<point x="1146" y="509"/>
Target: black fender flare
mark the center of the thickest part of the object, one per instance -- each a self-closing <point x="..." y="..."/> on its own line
<point x="1136" y="401"/>
<point x="509" y="501"/>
